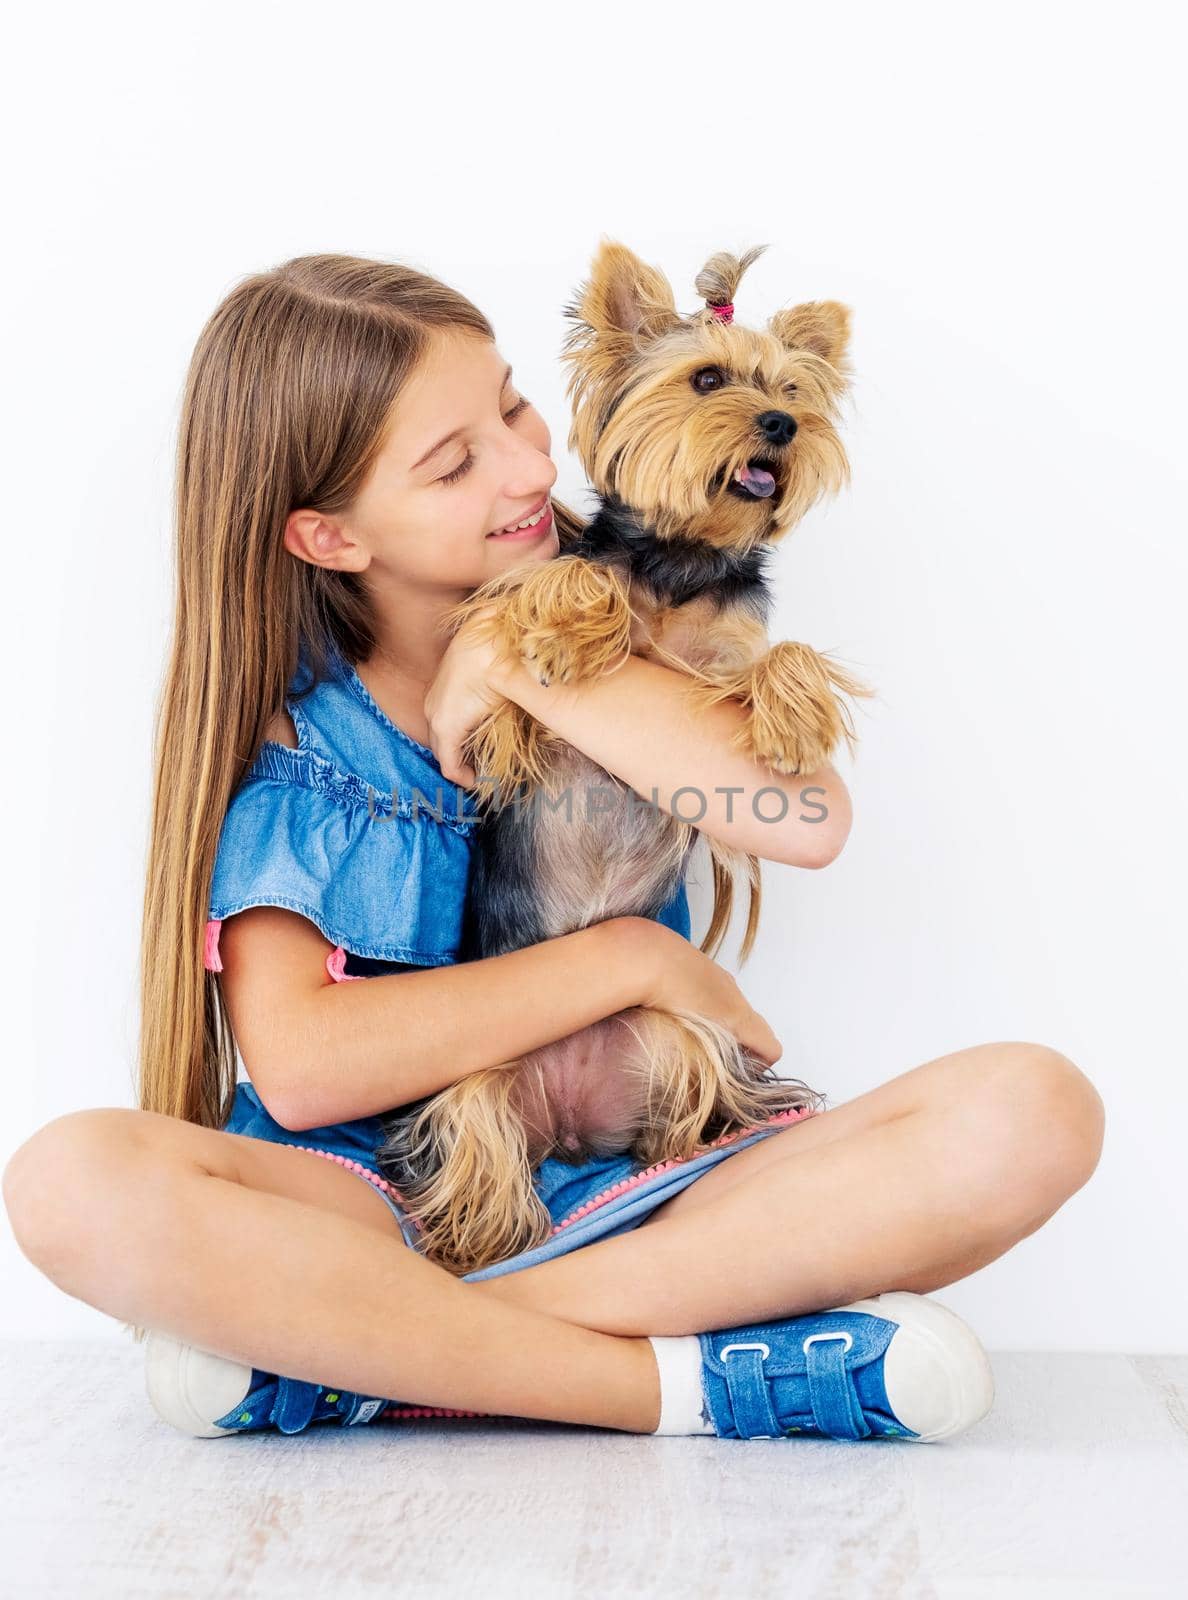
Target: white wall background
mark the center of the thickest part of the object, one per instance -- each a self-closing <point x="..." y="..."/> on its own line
<point x="996" y="192"/>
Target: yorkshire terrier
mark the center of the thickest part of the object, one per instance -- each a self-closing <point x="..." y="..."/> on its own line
<point x="705" y="442"/>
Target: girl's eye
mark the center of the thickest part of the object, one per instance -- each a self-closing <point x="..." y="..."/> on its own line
<point x="520" y="406"/>
<point x="452" y="477"/>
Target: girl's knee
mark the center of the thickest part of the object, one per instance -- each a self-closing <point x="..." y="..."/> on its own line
<point x="54" y="1179"/>
<point x="1041" y="1120"/>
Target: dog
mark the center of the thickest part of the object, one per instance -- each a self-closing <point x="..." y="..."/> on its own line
<point x="705" y="442"/>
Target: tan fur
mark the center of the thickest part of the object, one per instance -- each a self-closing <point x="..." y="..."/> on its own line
<point x="570" y="621"/>
<point x="797" y="716"/>
<point x="476" y="1203"/>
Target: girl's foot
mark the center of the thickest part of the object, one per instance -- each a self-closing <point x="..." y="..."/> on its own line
<point x="208" y="1395"/>
<point x="895" y="1366"/>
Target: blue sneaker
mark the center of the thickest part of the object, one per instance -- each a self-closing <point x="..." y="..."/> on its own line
<point x="895" y="1366"/>
<point x="208" y="1395"/>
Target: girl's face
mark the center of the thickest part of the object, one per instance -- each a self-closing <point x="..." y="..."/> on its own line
<point x="465" y="456"/>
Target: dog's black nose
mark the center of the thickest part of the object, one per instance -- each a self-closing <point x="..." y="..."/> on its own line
<point x="778" y="426"/>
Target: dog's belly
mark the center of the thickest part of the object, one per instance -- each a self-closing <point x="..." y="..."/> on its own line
<point x="577" y="1097"/>
<point x="696" y="635"/>
<point x="590" y="851"/>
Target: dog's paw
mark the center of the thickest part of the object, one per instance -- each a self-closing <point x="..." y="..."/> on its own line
<point x="553" y="658"/>
<point x="797" y="717"/>
<point x="570" y="621"/>
<point x="787" y="749"/>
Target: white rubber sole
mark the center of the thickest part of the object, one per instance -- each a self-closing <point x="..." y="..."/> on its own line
<point x="936" y="1373"/>
<point x="189" y="1387"/>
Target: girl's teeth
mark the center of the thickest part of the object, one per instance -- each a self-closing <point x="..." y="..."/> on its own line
<point x="529" y="522"/>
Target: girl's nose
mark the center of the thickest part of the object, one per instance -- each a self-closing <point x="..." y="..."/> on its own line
<point x="532" y="475"/>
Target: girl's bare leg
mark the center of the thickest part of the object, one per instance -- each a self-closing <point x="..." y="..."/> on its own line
<point x="198" y="1234"/>
<point x="150" y="1219"/>
<point x="911" y="1186"/>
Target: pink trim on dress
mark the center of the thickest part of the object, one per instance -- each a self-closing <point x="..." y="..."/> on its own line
<point x="430" y="1411"/>
<point x="211" y="959"/>
<point x="794" y="1114"/>
<point x="352" y="1166"/>
<point x="336" y="967"/>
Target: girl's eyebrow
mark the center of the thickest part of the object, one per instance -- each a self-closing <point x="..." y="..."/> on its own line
<point x="449" y="437"/>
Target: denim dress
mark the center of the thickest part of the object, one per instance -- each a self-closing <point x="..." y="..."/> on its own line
<point x="359" y="831"/>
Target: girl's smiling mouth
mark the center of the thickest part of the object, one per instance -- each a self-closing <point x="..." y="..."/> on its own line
<point x="538" y="522"/>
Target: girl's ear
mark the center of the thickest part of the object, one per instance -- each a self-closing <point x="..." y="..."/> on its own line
<point x="322" y="542"/>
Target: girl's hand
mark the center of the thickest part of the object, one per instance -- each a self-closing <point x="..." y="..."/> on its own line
<point x="676" y="976"/>
<point x="467" y="685"/>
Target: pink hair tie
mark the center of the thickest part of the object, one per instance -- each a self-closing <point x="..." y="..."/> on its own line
<point x="723" y="313"/>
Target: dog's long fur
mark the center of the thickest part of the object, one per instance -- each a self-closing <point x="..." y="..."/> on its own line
<point x="671" y="567"/>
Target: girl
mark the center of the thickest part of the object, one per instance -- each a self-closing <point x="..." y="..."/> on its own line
<point x="354" y="457"/>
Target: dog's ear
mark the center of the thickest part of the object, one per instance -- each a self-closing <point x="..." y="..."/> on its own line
<point x="821" y="327"/>
<point x="624" y="296"/>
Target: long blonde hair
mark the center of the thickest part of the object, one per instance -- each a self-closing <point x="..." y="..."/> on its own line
<point x="286" y="400"/>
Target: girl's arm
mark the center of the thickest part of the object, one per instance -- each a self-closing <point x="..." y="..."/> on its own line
<point x="639" y="723"/>
<point x="320" y="1052"/>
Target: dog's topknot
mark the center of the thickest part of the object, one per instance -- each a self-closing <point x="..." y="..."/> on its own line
<point x="722" y="273"/>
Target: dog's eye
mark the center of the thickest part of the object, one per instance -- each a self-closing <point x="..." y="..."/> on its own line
<point x="789" y="388"/>
<point x="707" y="378"/>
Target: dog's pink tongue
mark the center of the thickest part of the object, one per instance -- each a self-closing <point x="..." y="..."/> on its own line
<point x="756" y="481"/>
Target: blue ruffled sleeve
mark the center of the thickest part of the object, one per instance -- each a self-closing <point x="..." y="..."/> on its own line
<point x="380" y="878"/>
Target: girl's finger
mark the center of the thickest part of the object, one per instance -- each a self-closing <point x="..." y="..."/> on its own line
<point x="453" y="765"/>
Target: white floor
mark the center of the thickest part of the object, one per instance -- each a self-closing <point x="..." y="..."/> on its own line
<point x="1075" y="1487"/>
